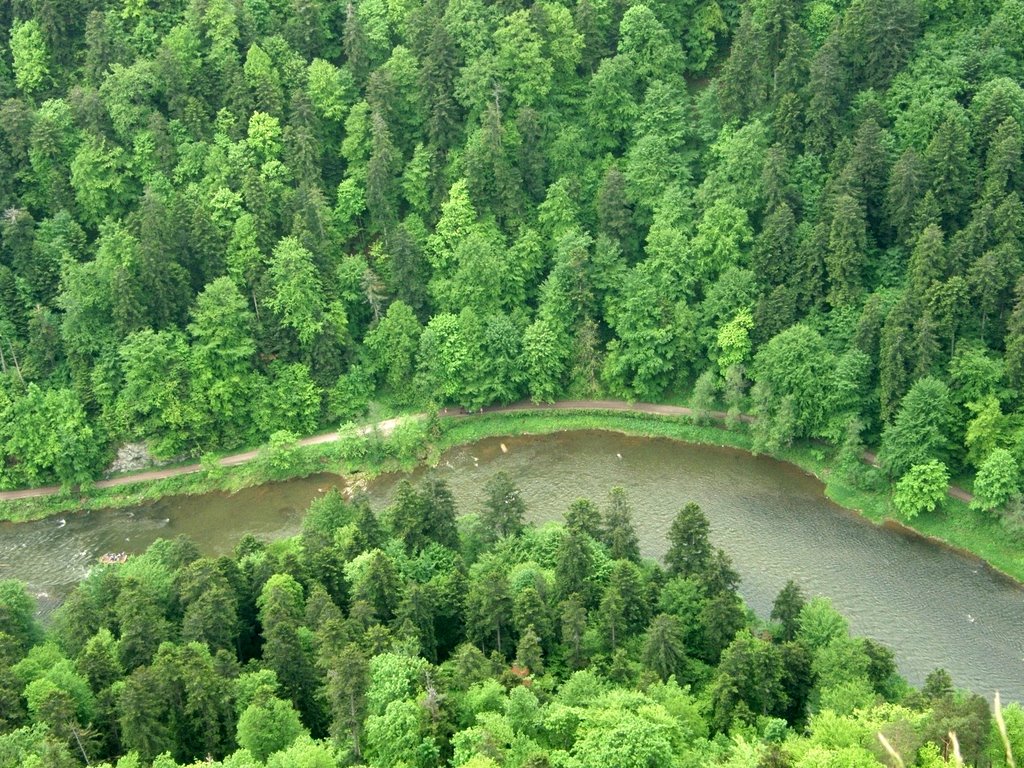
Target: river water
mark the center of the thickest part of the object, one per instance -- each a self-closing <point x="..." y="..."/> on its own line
<point x="933" y="607"/>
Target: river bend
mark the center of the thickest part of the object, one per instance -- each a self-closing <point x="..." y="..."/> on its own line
<point x="932" y="606"/>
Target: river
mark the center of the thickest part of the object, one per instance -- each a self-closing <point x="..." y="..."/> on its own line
<point x="933" y="607"/>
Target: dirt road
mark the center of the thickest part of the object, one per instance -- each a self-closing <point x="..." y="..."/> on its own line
<point x="388" y="425"/>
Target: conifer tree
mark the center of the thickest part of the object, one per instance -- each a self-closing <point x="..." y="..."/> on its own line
<point x="689" y="547"/>
<point x="618" y="533"/>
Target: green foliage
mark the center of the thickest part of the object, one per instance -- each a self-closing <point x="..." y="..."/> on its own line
<point x="998" y="481"/>
<point x="28" y="49"/>
<point x="17" y="611"/>
<point x="295" y="292"/>
<point x="734" y="341"/>
<point x="664" y="647"/>
<point x="819" y="623"/>
<point x="544" y="358"/>
<point x="347" y="658"/>
<point x="268" y="726"/>
<point x="786" y="610"/>
<point x="392" y="344"/>
<point x="288" y="401"/>
<point x="217" y="217"/>
<point x="920" y="432"/>
<point x="232" y="222"/>
<point x="220" y="353"/>
<point x="689" y="547"/>
<point x="504" y="508"/>
<point x="792" y="373"/>
<point x="48" y="437"/>
<point x="748" y="683"/>
<point x="395" y="737"/>
<point x="304" y="753"/>
<point x="98" y="176"/>
<point x="921" y="489"/>
<point x="153" y="402"/>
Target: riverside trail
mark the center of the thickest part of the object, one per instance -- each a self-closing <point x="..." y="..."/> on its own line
<point x="387" y="425"/>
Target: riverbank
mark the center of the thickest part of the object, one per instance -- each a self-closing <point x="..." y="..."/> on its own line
<point x="402" y="443"/>
<point x="953" y="525"/>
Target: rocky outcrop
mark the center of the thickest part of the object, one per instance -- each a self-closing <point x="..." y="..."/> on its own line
<point x="131" y="457"/>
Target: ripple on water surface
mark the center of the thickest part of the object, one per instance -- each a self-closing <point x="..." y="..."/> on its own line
<point x="933" y="607"/>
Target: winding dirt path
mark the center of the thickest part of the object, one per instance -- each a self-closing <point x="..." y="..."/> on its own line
<point x="386" y="426"/>
<point x="186" y="469"/>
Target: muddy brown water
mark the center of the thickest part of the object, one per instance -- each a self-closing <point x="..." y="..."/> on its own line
<point x="933" y="607"/>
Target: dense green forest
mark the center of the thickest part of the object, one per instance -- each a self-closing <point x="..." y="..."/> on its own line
<point x="419" y="640"/>
<point x="224" y="219"/>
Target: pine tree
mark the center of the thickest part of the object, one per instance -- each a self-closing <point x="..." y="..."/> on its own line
<point x="381" y="176"/>
<point x="355" y="45"/>
<point x="143" y="723"/>
<point x="574" y="624"/>
<point x="950" y="168"/>
<point x="786" y="610"/>
<point x="529" y="653"/>
<point x="573" y="564"/>
<point x="618" y="533"/>
<point x="878" y="36"/>
<point x="1015" y="340"/>
<point x="504" y="508"/>
<point x="98" y="662"/>
<point x="664" y="648"/>
<point x="346" y="684"/>
<point x="611" y="617"/>
<point x="379" y="587"/>
<point x="927" y="263"/>
<point x="441" y="525"/>
<point x="583" y="517"/>
<point x="896" y="353"/>
<point x="530" y="611"/>
<point x="868" y="169"/>
<point x="906" y="186"/>
<point x="142" y="623"/>
<point x="847" y="255"/>
<point x="775" y="248"/>
<point x="281" y="612"/>
<point x="689" y="549"/>
<point x="417" y="611"/>
<point x="926" y="345"/>
<point x="827" y="83"/>
<point x="212" y="618"/>
<point x="408" y="515"/>
<point x="438" y="75"/>
<point x="489" y="608"/>
<point x="368" y="533"/>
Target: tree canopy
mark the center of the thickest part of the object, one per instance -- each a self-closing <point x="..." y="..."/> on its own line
<point x="225" y="221"/>
<point x="417" y="648"/>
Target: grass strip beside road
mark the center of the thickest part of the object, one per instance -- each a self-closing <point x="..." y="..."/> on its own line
<point x="400" y="444"/>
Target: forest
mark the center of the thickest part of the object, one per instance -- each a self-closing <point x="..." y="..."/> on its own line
<point x="225" y="220"/>
<point x="417" y="639"/>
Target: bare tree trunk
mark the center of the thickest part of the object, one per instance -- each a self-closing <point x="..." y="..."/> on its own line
<point x="354" y="715"/>
<point x="16" y="366"/>
<point x="14" y="355"/>
<point x="74" y="732"/>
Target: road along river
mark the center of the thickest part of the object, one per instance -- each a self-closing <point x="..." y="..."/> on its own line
<point x="932" y="606"/>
